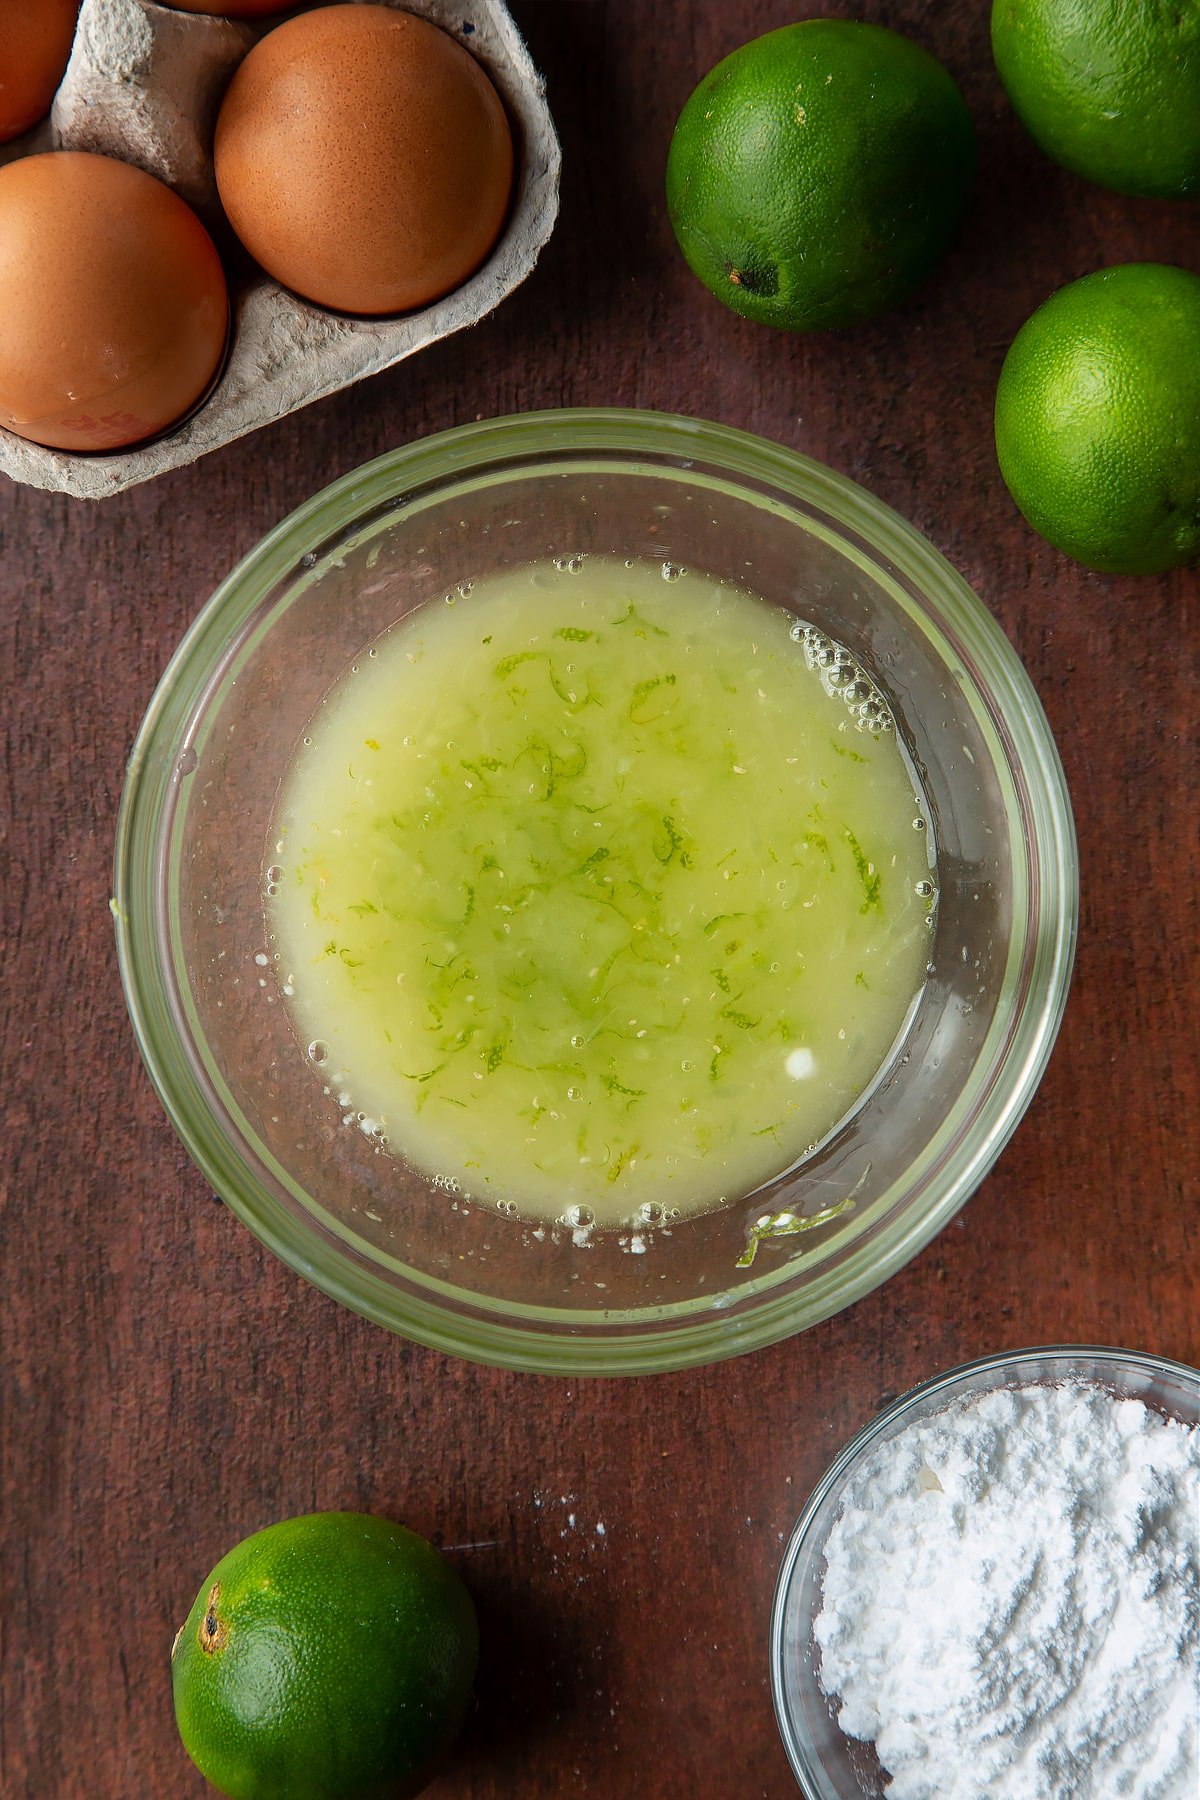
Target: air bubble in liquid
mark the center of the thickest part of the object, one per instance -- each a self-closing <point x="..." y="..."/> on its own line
<point x="579" y="1218"/>
<point x="672" y="571"/>
<point x="925" y="888"/>
<point x="318" y="1051"/>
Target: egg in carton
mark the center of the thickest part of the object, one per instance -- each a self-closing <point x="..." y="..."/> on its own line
<point x="144" y="84"/>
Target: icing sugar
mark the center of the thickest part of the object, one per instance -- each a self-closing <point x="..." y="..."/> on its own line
<point x="1011" y="1603"/>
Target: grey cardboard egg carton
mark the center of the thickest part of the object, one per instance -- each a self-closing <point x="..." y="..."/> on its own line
<point x="145" y="84"/>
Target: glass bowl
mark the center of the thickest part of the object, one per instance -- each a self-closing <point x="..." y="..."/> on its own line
<point x="827" y="1764"/>
<point x="192" y="844"/>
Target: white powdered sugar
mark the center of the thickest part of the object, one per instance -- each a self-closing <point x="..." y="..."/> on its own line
<point x="1011" y="1605"/>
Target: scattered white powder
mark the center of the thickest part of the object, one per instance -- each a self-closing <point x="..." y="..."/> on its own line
<point x="1011" y="1605"/>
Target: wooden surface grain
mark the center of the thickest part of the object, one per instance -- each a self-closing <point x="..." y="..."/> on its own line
<point x="168" y="1387"/>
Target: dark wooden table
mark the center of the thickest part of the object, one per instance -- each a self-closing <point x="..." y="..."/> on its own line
<point x="168" y="1387"/>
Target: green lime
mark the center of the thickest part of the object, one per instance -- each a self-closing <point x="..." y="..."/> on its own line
<point x="326" y="1658"/>
<point x="1098" y="419"/>
<point x="1108" y="88"/>
<point x="816" y="175"/>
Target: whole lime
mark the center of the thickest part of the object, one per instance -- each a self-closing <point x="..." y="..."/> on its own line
<point x="329" y="1657"/>
<point x="1098" y="419"/>
<point x="816" y="175"/>
<point x="1108" y="88"/>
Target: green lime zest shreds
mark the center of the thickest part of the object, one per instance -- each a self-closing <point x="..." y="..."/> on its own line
<point x="788" y="1224"/>
<point x="641" y="626"/>
<point x="867" y="874"/>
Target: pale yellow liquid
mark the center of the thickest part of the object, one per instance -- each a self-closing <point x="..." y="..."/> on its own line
<point x="595" y="891"/>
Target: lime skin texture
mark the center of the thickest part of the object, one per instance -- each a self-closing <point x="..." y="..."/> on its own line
<point x="329" y="1657"/>
<point x="1098" y="419"/>
<point x="1108" y="88"/>
<point x="816" y="175"/>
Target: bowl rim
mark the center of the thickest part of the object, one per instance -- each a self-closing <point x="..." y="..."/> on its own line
<point x="486" y="450"/>
<point x="805" y="1762"/>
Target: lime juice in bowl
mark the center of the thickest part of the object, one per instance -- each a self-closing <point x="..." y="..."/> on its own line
<point x="601" y="890"/>
<point x="394" y="1229"/>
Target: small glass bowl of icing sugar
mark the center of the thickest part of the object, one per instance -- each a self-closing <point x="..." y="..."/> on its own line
<point x="994" y="1588"/>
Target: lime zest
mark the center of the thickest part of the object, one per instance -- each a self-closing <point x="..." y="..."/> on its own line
<point x="612" y="1086"/>
<point x="631" y="616"/>
<point x="620" y="1162"/>
<point x="788" y="1224"/>
<point x="427" y="1076"/>
<point x="720" y="919"/>
<point x="507" y="664"/>
<point x="867" y="874"/>
<point x="642" y="692"/>
<point x="669" y="843"/>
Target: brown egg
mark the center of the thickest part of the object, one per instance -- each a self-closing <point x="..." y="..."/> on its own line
<point x="364" y="159"/>
<point x="35" y="43"/>
<point x="113" y="306"/>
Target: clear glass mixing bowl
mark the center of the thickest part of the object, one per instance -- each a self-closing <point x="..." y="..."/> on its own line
<point x="827" y="1764"/>
<point x="192" y="845"/>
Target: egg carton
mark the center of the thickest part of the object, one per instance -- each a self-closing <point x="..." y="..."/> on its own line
<point x="144" y="84"/>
